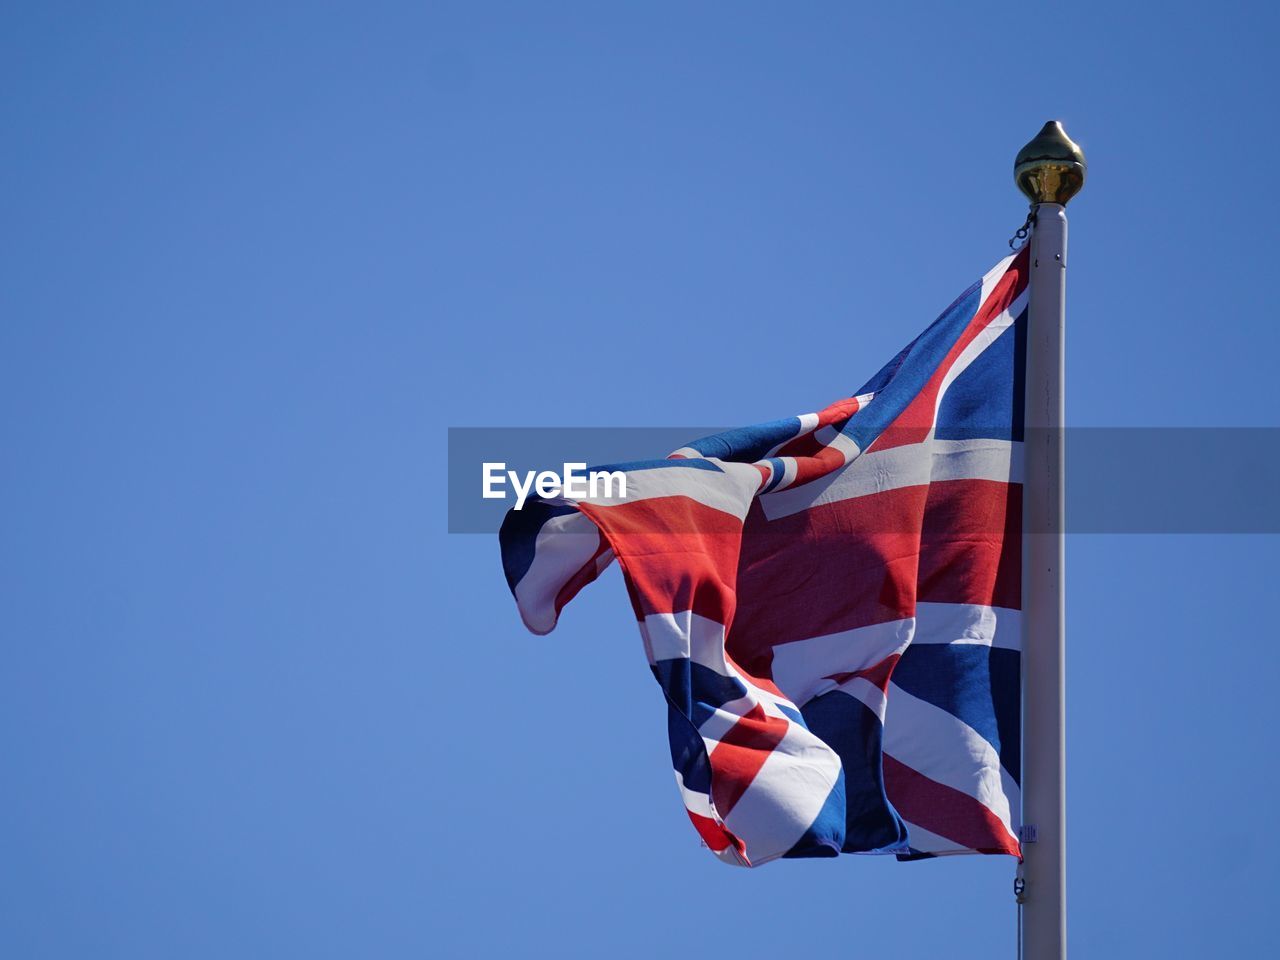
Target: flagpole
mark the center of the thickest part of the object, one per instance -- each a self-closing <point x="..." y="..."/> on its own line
<point x="1050" y="170"/>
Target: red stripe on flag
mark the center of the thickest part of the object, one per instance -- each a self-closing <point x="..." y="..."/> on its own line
<point x="840" y="410"/>
<point x="971" y="545"/>
<point x="864" y="561"/>
<point x="678" y="554"/>
<point x="715" y="835"/>
<point x="836" y="415"/>
<point x="740" y="754"/>
<point x="945" y="811"/>
<point x="830" y="568"/>
<point x="819" y="465"/>
<point x="804" y="446"/>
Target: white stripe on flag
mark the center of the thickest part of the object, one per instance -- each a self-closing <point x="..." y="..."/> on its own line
<point x="786" y="795"/>
<point x="987" y="336"/>
<point x="944" y="748"/>
<point x="673" y="636"/>
<point x="730" y="489"/>
<point x="563" y="546"/>
<point x="883" y="470"/>
<point x="973" y="623"/>
<point x="926" y="841"/>
<point x="860" y="688"/>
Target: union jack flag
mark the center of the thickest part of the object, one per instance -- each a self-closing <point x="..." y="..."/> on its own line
<point x="831" y="602"/>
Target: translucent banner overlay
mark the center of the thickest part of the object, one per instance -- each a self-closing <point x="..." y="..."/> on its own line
<point x="1138" y="480"/>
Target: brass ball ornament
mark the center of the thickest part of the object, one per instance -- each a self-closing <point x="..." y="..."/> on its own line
<point x="1051" y="168"/>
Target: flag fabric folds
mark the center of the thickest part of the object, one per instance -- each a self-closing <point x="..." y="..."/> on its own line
<point x="830" y="603"/>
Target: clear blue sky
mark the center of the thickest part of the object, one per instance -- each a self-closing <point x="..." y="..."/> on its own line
<point x="255" y="702"/>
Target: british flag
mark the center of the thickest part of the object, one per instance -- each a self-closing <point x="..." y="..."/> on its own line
<point x="831" y="603"/>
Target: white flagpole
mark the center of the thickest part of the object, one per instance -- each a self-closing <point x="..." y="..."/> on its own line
<point x="1049" y="170"/>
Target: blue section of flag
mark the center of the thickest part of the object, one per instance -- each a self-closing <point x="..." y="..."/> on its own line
<point x="912" y="371"/>
<point x="825" y="838"/>
<point x="697" y="690"/>
<point x="518" y="536"/>
<point x="688" y="752"/>
<point x="975" y="683"/>
<point x="748" y="443"/>
<point x="980" y="403"/>
<point x="855" y="733"/>
<point x="779" y="471"/>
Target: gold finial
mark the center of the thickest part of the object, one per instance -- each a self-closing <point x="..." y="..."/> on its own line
<point x="1050" y="169"/>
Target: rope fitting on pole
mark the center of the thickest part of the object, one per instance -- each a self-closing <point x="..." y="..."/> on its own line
<point x="1017" y="241"/>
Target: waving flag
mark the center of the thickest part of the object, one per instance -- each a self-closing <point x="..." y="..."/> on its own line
<point x="830" y="603"/>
